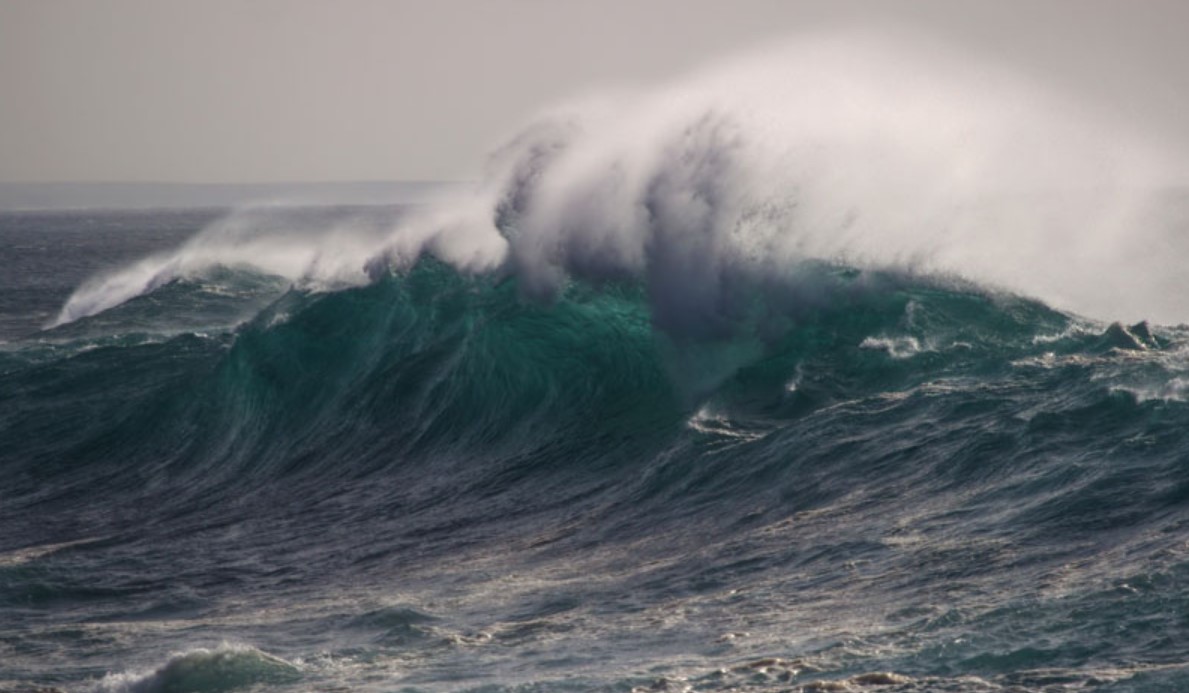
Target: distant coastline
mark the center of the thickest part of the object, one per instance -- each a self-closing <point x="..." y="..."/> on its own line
<point x="81" y="196"/>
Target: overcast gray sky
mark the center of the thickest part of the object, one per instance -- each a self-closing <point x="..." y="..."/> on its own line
<point x="219" y="91"/>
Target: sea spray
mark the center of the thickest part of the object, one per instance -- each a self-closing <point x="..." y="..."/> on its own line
<point x="848" y="148"/>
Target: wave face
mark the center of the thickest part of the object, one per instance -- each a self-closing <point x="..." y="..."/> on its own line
<point x="689" y="399"/>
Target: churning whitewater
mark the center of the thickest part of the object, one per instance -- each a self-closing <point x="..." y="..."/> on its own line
<point x="827" y="369"/>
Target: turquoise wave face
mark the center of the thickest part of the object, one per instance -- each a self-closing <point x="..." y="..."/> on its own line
<point x="431" y="360"/>
<point x="853" y="473"/>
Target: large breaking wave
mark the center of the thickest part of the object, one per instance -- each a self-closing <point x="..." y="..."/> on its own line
<point x="775" y="377"/>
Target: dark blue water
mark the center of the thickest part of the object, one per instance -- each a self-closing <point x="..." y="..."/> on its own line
<point x="427" y="479"/>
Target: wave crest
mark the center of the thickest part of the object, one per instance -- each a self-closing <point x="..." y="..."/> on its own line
<point x="864" y="151"/>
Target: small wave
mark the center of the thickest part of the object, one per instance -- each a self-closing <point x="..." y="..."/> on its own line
<point x="224" y="668"/>
<point x="1174" y="390"/>
<point x="318" y="248"/>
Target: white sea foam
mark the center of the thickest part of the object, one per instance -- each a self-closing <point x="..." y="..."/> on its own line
<point x="708" y="420"/>
<point x="897" y="347"/>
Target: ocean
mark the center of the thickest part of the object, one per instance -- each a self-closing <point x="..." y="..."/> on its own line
<point x="435" y="480"/>
<point x="843" y="370"/>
